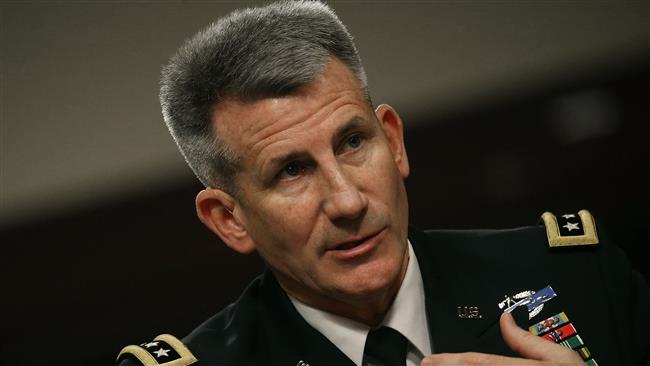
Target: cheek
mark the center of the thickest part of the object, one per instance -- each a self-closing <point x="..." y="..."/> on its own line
<point x="286" y="221"/>
<point x="388" y="188"/>
<point x="383" y="173"/>
<point x="285" y="235"/>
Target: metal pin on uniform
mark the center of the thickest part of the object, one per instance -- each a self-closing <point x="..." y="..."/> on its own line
<point x="468" y="312"/>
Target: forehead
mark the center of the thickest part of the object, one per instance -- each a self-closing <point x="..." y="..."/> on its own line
<point x="257" y="128"/>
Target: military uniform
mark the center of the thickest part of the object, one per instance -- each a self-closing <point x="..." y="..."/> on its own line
<point x="469" y="277"/>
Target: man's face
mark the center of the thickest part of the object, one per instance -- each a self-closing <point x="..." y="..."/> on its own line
<point x="322" y="197"/>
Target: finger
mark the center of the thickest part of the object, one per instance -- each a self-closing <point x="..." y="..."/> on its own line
<point x="475" y="359"/>
<point x="531" y="346"/>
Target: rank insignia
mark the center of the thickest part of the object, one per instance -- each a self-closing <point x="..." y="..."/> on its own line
<point x="570" y="229"/>
<point x="164" y="350"/>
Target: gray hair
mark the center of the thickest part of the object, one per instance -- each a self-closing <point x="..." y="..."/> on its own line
<point x="248" y="55"/>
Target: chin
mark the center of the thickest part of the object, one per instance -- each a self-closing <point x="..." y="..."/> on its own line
<point x="374" y="281"/>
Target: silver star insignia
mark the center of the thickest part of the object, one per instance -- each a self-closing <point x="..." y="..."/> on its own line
<point x="150" y="344"/>
<point x="571" y="226"/>
<point x="569" y="216"/>
<point x="162" y="352"/>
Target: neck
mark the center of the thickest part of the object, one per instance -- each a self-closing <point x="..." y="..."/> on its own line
<point x="368" y="309"/>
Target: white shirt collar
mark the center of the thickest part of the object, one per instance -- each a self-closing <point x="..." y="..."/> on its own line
<point x="407" y="314"/>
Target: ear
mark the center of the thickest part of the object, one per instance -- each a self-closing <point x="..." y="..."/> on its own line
<point x="391" y="123"/>
<point x="218" y="211"/>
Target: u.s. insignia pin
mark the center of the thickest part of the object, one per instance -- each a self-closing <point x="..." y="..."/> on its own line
<point x="468" y="312"/>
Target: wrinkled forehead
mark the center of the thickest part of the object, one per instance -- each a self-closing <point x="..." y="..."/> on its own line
<point x="241" y="123"/>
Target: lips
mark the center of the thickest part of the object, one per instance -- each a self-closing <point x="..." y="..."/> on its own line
<point x="356" y="247"/>
<point x="349" y="245"/>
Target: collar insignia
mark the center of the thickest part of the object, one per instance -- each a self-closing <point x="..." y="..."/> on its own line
<point x="570" y="229"/>
<point x="165" y="350"/>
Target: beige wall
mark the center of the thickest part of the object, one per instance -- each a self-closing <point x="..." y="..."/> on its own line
<point x="80" y="121"/>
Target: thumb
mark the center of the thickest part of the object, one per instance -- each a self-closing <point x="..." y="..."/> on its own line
<point x="531" y="346"/>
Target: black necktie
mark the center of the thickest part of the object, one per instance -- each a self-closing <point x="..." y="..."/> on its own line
<point x="387" y="346"/>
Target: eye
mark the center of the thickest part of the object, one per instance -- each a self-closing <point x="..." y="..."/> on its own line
<point x="354" y="141"/>
<point x="292" y="169"/>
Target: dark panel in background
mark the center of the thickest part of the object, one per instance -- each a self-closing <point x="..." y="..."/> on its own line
<point x="78" y="288"/>
<point x="575" y="144"/>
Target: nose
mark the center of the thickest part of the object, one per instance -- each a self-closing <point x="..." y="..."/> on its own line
<point x="343" y="199"/>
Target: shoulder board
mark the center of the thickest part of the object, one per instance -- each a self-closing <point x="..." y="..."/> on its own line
<point x="164" y="350"/>
<point x="570" y="229"/>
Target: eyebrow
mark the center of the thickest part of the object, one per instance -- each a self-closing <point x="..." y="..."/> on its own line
<point x="353" y="124"/>
<point x="280" y="160"/>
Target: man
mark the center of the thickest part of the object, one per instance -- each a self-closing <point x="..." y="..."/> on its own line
<point x="270" y="108"/>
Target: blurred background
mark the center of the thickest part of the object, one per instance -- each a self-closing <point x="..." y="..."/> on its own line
<point x="511" y="108"/>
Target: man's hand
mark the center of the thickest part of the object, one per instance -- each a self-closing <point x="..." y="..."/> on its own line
<point x="535" y="350"/>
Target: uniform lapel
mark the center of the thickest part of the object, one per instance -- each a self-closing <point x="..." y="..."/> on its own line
<point x="287" y="338"/>
<point x="452" y="280"/>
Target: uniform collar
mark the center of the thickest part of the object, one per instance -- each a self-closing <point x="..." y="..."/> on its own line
<point x="407" y="315"/>
<point x="408" y="312"/>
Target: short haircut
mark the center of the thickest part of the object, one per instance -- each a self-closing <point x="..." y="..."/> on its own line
<point x="248" y="55"/>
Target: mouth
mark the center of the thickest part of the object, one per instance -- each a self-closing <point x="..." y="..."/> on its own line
<point x="357" y="246"/>
<point x="350" y="244"/>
